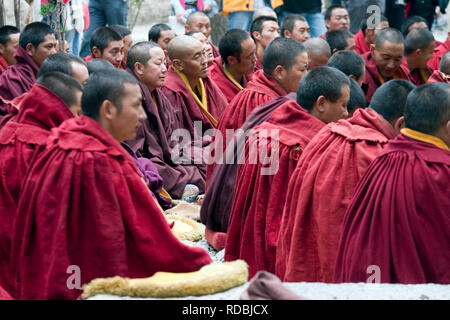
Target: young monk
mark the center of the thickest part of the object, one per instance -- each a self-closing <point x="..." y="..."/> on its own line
<point x="336" y="18"/>
<point x="419" y="47"/>
<point x="146" y="62"/>
<point x="366" y="35"/>
<point x="396" y="224"/>
<point x="324" y="180"/>
<point x="263" y="30"/>
<point x="384" y="61"/>
<point x="237" y="61"/>
<point x="54" y="98"/>
<point x="350" y="63"/>
<point x="296" y="27"/>
<point x="106" y="44"/>
<point x="9" y="43"/>
<point x="125" y="33"/>
<point x="85" y="205"/>
<point x="443" y="74"/>
<point x="260" y="196"/>
<point x="188" y="87"/>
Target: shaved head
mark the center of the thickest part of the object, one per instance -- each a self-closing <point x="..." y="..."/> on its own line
<point x="194" y="15"/>
<point x="318" y="52"/>
<point x="445" y="64"/>
<point x="180" y="47"/>
<point x="390" y="35"/>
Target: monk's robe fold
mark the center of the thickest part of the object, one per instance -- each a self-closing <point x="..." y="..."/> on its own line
<point x="259" y="198"/>
<point x="215" y="51"/>
<point x="320" y="191"/>
<point x="192" y="107"/>
<point x="438" y="76"/>
<point x="373" y="80"/>
<point x="361" y="46"/>
<point x="229" y="86"/>
<point x="398" y="218"/>
<point x="84" y="204"/>
<point x="4" y="295"/>
<point x="420" y="76"/>
<point x="153" y="141"/>
<point x="20" y="141"/>
<point x="438" y="52"/>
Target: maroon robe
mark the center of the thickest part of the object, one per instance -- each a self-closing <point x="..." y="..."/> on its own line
<point x="416" y="77"/>
<point x="372" y="78"/>
<point x="319" y="193"/>
<point x="84" y="204"/>
<point x="215" y="51"/>
<point x="3" y="64"/>
<point x="398" y="218"/>
<point x="361" y="46"/>
<point x="438" y="52"/>
<point x="259" y="199"/>
<point x="438" y="76"/>
<point x="228" y="88"/>
<point x="153" y="141"/>
<point x="4" y="295"/>
<point x="216" y="206"/>
<point x="20" y="142"/>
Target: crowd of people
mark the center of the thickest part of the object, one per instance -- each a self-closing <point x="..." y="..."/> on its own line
<point x="326" y="154"/>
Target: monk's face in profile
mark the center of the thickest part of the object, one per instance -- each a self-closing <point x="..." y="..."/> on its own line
<point x="206" y="45"/>
<point x="194" y="64"/>
<point x="164" y="38"/>
<point x="335" y="110"/>
<point x="76" y="107"/>
<point x="8" y="50"/>
<point x="339" y="20"/>
<point x="80" y="73"/>
<point x="155" y="70"/>
<point x="123" y="121"/>
<point x="200" y="23"/>
<point x="301" y="31"/>
<point x="127" y="42"/>
<point x="388" y="57"/>
<point x="112" y="53"/>
<point x="247" y="58"/>
<point x="269" y="31"/>
<point x="43" y="50"/>
<point x="423" y="56"/>
<point x="290" y="79"/>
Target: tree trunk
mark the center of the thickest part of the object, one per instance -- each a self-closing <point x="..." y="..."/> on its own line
<point x="2" y="17"/>
<point x="17" y="12"/>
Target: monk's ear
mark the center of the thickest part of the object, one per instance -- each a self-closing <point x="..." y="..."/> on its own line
<point x="96" y="52"/>
<point x="177" y="63"/>
<point x="108" y="110"/>
<point x="372" y="48"/>
<point x="399" y="124"/>
<point x="30" y="49"/>
<point x="321" y="104"/>
<point x="2" y="49"/>
<point x="279" y="73"/>
<point x="139" y="68"/>
<point x="287" y="34"/>
<point x="256" y="35"/>
<point x="231" y="60"/>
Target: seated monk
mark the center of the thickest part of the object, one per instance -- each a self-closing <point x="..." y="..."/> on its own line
<point x="397" y="219"/>
<point x="295" y="26"/>
<point x="188" y="88"/>
<point x="125" y="33"/>
<point x="54" y="98"/>
<point x="161" y="34"/>
<point x="324" y="180"/>
<point x="260" y="194"/>
<point x="9" y="43"/>
<point x="340" y="40"/>
<point x="106" y="44"/>
<point x="366" y="35"/>
<point x="199" y="21"/>
<point x="419" y="47"/>
<point x="439" y="51"/>
<point x="319" y="52"/>
<point x="85" y="192"/>
<point x="263" y="30"/>
<point x="237" y="61"/>
<point x="350" y="63"/>
<point x="206" y="45"/>
<point x="146" y="62"/>
<point x="384" y="61"/>
<point x="357" y="98"/>
<point x="443" y="74"/>
<point x="37" y="41"/>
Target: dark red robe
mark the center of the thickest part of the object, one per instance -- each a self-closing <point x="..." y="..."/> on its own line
<point x="259" y="199"/>
<point x="84" y="204"/>
<point x="4" y="295"/>
<point x="321" y="188"/>
<point x="216" y="206"/>
<point x="20" y="142"/>
<point x="153" y="141"/>
<point x="228" y="88"/>
<point x="439" y="51"/>
<point x="361" y="46"/>
<point x="417" y="78"/>
<point x="398" y="218"/>
<point x="372" y="78"/>
<point x="215" y="51"/>
<point x="3" y="64"/>
<point x="438" y="76"/>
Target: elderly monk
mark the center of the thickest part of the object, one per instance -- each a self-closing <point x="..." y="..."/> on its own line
<point x="107" y="44"/>
<point x="324" y="180"/>
<point x="261" y="185"/>
<point x="397" y="220"/>
<point x="146" y="61"/>
<point x="367" y="33"/>
<point x="419" y="47"/>
<point x="237" y="61"/>
<point x="206" y="44"/>
<point x="443" y="74"/>
<point x="188" y="88"/>
<point x="54" y="98"/>
<point x="263" y="30"/>
<point x="84" y="203"/>
<point x="350" y="63"/>
<point x="199" y="21"/>
<point x="319" y="52"/>
<point x="9" y="43"/>
<point x="295" y="26"/>
<point x="37" y="41"/>
<point x="384" y="61"/>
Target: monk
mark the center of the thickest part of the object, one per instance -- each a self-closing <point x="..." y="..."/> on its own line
<point x="336" y="18"/>
<point x="237" y="61"/>
<point x="9" y="43"/>
<point x="54" y="98"/>
<point x="106" y="44"/>
<point x="37" y="42"/>
<point x="146" y="62"/>
<point x="296" y="27"/>
<point x="439" y="51"/>
<point x="85" y="207"/>
<point x="340" y="40"/>
<point x="319" y="52"/>
<point x="263" y="30"/>
<point x="419" y="47"/>
<point x="260" y="194"/>
<point x="161" y="34"/>
<point x="188" y="88"/>
<point x="350" y="63"/>
<point x="443" y="74"/>
<point x="206" y="45"/>
<point x="384" y="61"/>
<point x="366" y="35"/>
<point x="396" y="229"/>
<point x="125" y="33"/>
<point x="357" y="98"/>
<point x="324" y="180"/>
<point x="199" y="21"/>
